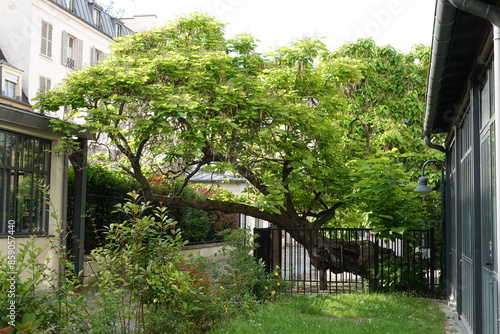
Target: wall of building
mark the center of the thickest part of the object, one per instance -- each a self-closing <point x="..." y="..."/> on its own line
<point x="49" y="243"/>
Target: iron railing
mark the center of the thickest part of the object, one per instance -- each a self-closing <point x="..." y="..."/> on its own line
<point x="352" y="259"/>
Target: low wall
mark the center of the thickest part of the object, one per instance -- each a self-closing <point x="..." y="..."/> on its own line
<point x="211" y="251"/>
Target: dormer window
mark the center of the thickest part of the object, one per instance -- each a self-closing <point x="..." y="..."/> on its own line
<point x="97" y="17"/>
<point x="70" y="4"/>
<point x="119" y="31"/>
<point x="11" y="83"/>
<point x="10" y="88"/>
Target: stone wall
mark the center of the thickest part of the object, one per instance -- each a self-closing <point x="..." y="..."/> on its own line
<point x="211" y="251"/>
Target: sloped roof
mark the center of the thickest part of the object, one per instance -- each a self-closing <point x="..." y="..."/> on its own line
<point x="208" y="177"/>
<point x="3" y="60"/>
<point x="84" y="9"/>
<point x="457" y="40"/>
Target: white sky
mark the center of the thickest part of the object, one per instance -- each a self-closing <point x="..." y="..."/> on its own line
<point x="400" y="23"/>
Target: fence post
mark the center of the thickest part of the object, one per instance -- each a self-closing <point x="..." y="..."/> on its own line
<point x="433" y="260"/>
<point x="275" y="249"/>
<point x="376" y="279"/>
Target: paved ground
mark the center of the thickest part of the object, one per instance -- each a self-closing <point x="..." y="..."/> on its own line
<point x="452" y="325"/>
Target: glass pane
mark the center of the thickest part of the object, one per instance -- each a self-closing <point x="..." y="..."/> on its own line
<point x="23" y="176"/>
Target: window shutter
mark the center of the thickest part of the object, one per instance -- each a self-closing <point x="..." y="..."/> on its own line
<point x="64" y="48"/>
<point x="49" y="40"/>
<point x="79" y="59"/>
<point x="43" y="48"/>
<point x="92" y="56"/>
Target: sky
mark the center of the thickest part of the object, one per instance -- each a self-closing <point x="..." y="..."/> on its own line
<point x="400" y="23"/>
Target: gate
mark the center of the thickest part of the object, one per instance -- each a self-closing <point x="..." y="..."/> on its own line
<point x="411" y="266"/>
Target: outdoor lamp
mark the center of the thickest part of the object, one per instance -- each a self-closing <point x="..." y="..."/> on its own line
<point x="422" y="185"/>
<point x="422" y="181"/>
<point x="424" y="188"/>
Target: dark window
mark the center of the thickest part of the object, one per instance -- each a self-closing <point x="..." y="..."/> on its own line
<point x="24" y="175"/>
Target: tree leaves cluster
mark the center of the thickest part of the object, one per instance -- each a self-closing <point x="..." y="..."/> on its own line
<point x="182" y="98"/>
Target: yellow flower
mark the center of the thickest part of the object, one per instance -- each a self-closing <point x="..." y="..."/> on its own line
<point x="277" y="267"/>
<point x="266" y="288"/>
<point x="276" y="273"/>
<point x="225" y="309"/>
<point x="278" y="283"/>
<point x="221" y="287"/>
<point x="273" y="292"/>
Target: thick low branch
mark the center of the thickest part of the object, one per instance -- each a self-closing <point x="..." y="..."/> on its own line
<point x="326" y="215"/>
<point x="280" y="219"/>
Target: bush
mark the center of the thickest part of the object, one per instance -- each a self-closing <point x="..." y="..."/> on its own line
<point x="196" y="225"/>
<point x="144" y="284"/>
<point x="105" y="189"/>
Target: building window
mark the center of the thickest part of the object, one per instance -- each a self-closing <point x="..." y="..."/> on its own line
<point x="46" y="48"/>
<point x="10" y="88"/>
<point x="24" y="172"/>
<point x="70" y="4"/>
<point x="72" y="51"/>
<point x="97" y="56"/>
<point x="97" y="18"/>
<point x="119" y="30"/>
<point x="44" y="84"/>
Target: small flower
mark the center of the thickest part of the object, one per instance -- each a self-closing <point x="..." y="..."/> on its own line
<point x="276" y="273"/>
<point x="266" y="288"/>
<point x="278" y="283"/>
<point x="221" y="287"/>
<point x="273" y="292"/>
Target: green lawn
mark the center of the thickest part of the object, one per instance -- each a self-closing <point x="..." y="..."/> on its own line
<point x="347" y="313"/>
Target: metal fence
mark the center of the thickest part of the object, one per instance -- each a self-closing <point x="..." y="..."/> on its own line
<point x="100" y="213"/>
<point x="352" y="259"/>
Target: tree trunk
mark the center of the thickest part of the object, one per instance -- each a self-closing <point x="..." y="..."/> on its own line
<point x="339" y="255"/>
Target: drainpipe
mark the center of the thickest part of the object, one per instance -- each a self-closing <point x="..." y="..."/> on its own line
<point x="434" y="146"/>
<point x="492" y="14"/>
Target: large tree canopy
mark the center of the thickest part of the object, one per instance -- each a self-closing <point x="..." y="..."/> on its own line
<point x="182" y="98"/>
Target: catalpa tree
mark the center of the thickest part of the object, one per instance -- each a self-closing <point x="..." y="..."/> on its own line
<point x="182" y="98"/>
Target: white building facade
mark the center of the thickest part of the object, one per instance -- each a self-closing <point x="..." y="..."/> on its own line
<point x="48" y="39"/>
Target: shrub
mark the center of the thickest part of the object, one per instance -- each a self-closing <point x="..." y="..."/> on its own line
<point x="196" y="225"/>
<point x="105" y="189"/>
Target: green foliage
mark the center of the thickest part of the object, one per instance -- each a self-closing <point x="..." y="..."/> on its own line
<point x="140" y="266"/>
<point x="382" y="193"/>
<point x="29" y="272"/>
<point x="196" y="225"/>
<point x="105" y="181"/>
<point x="181" y="98"/>
<point x="105" y="188"/>
<point x="402" y="273"/>
<point x="244" y="276"/>
<point x="144" y="284"/>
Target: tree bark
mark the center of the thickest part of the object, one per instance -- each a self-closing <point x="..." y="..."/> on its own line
<point x="335" y="254"/>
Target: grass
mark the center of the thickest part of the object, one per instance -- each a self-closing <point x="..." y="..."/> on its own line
<point x="347" y="313"/>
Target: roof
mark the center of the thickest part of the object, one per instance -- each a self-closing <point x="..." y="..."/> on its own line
<point x="457" y="41"/>
<point x="3" y="60"/>
<point x="23" y="117"/>
<point x="208" y="177"/>
<point x="84" y="9"/>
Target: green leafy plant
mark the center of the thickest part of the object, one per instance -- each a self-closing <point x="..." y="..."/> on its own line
<point x="402" y="273"/>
